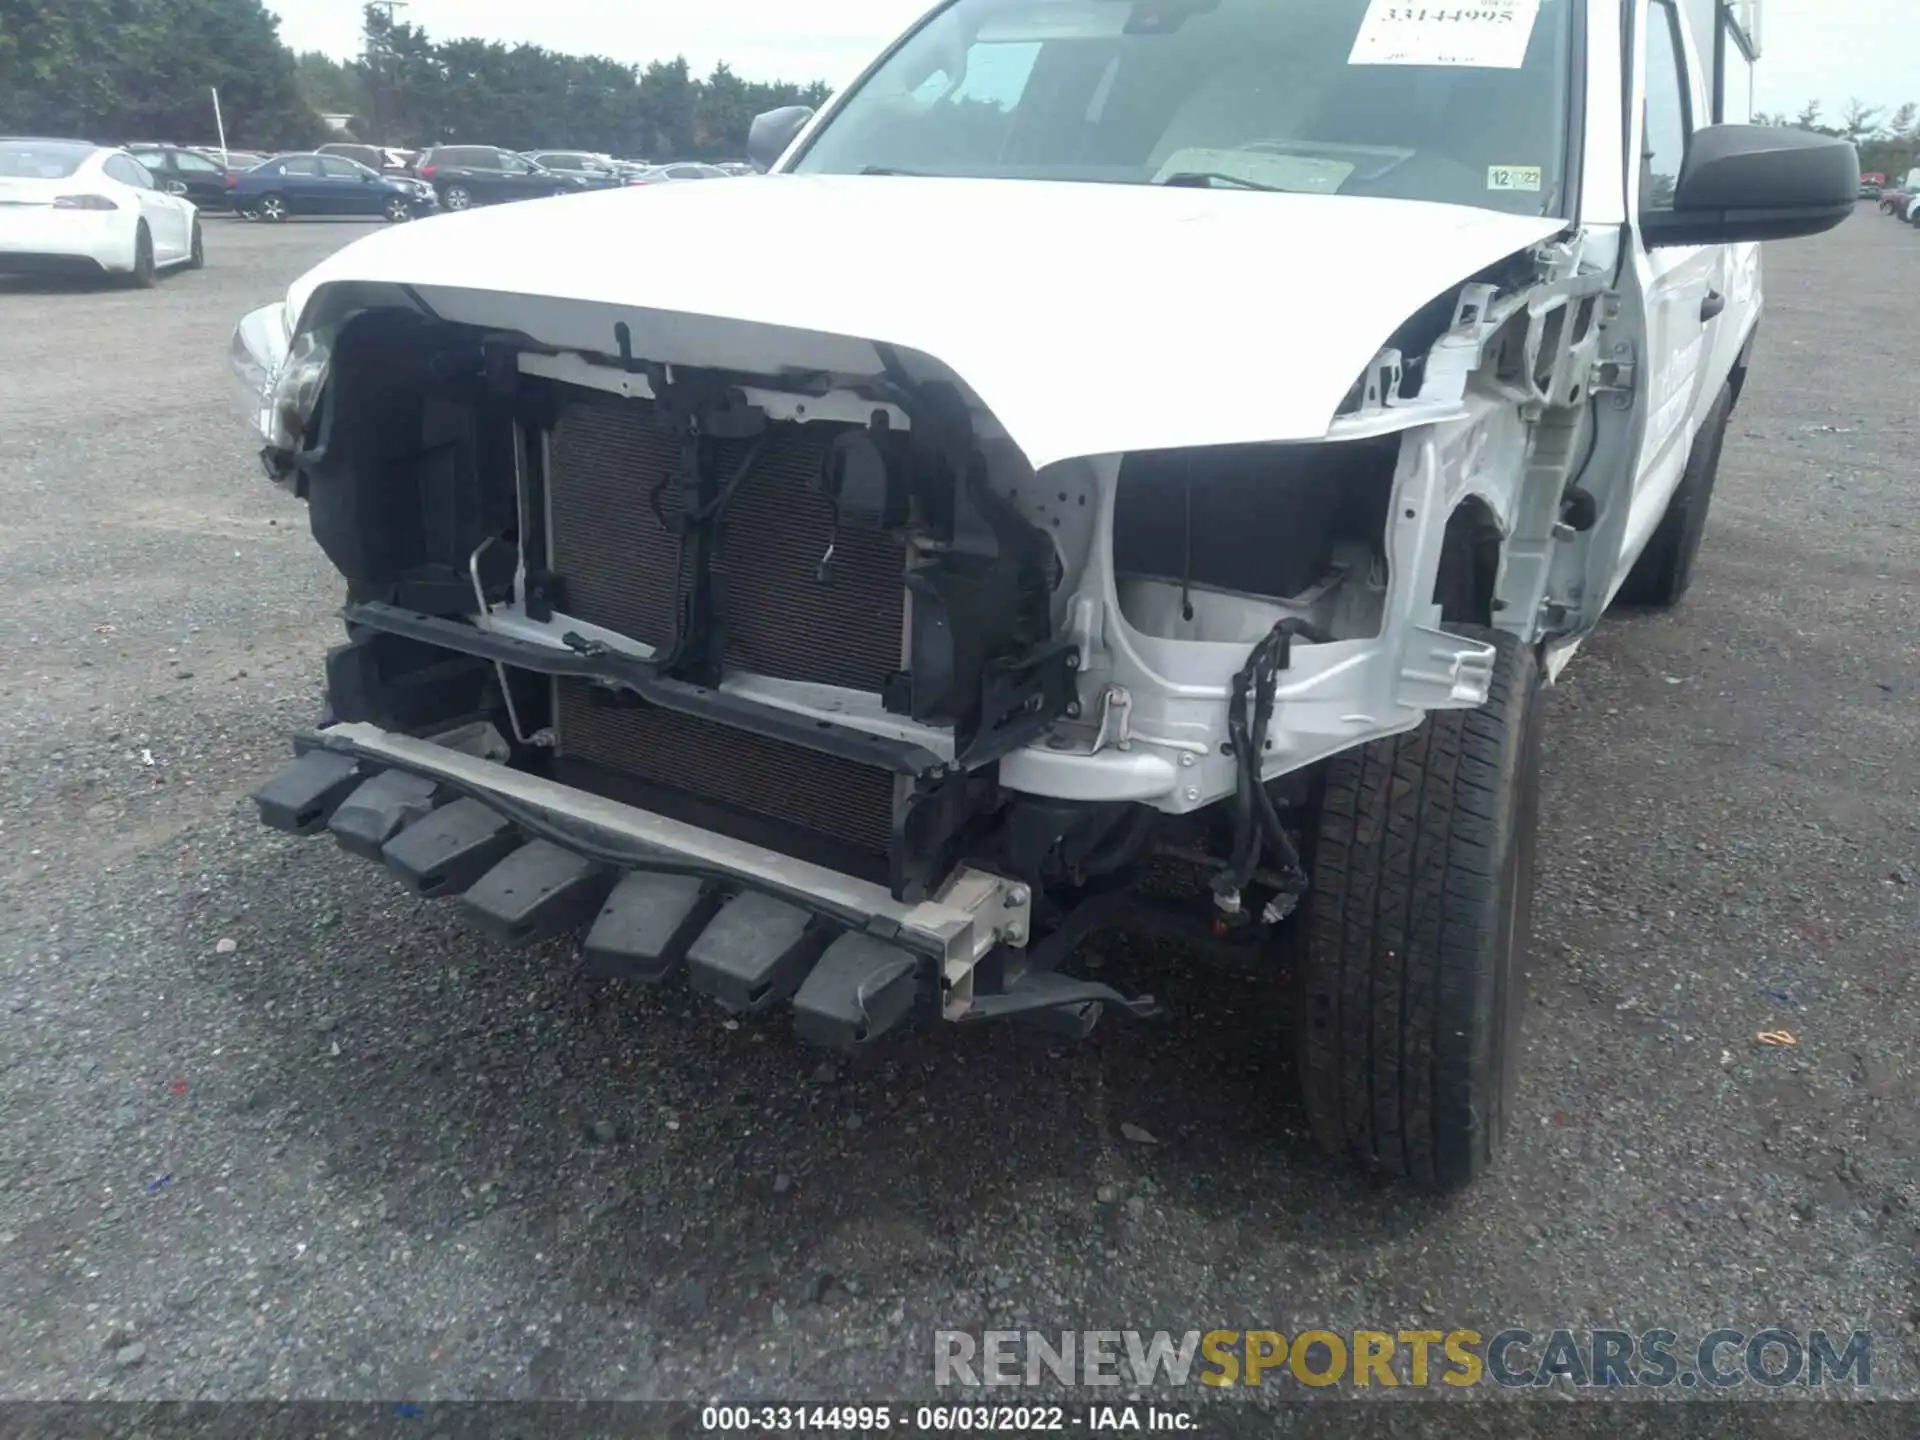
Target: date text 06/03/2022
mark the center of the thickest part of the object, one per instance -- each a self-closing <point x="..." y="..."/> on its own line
<point x="963" y="1419"/>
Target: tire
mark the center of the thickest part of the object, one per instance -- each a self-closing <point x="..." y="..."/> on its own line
<point x="457" y="197"/>
<point x="398" y="211"/>
<point x="1415" y="934"/>
<point x="1662" y="575"/>
<point x="272" y="208"/>
<point x="143" y="275"/>
<point x="197" y="254"/>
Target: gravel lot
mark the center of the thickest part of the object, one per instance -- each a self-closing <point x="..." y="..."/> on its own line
<point x="273" y="1129"/>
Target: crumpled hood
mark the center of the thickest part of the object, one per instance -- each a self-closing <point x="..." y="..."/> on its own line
<point x="1090" y="319"/>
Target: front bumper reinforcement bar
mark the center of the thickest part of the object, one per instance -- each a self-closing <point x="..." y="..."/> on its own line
<point x="642" y="678"/>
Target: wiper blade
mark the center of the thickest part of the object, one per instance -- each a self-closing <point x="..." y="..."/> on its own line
<point x="1206" y="179"/>
<point x="889" y="170"/>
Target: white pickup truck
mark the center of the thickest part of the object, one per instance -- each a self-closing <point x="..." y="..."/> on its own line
<point x="1116" y="439"/>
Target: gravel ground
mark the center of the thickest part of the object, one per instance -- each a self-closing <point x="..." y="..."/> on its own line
<point x="273" y="1129"/>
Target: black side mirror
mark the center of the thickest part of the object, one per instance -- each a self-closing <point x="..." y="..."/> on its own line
<point x="773" y="132"/>
<point x="1756" y="182"/>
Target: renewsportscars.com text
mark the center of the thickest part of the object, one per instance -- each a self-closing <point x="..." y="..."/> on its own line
<point x="1363" y="1359"/>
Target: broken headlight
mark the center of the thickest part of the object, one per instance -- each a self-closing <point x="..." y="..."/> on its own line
<point x="280" y="377"/>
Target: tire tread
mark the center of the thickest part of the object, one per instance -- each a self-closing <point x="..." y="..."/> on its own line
<point x="1402" y="921"/>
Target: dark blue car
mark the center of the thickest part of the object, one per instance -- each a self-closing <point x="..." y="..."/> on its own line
<point x="311" y="184"/>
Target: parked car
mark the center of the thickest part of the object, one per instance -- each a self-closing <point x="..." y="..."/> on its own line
<point x="1870" y="191"/>
<point x="737" y="167"/>
<point x="312" y="183"/>
<point x="76" y="207"/>
<point x="469" y="175"/>
<point x="180" y="171"/>
<point x="235" y="160"/>
<point x="1893" y="202"/>
<point x="599" y="172"/>
<point x="679" y="170"/>
<point x="380" y="158"/>
<point x="847" y="646"/>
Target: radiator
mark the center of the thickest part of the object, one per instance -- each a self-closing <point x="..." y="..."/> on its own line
<point x="607" y="461"/>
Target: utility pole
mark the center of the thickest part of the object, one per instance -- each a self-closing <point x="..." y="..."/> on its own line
<point x="378" y="68"/>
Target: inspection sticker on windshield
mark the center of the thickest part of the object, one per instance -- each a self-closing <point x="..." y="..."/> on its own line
<point x="1489" y="35"/>
<point x="1513" y="177"/>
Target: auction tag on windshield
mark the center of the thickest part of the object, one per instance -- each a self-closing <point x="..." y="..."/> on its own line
<point x="1489" y="35"/>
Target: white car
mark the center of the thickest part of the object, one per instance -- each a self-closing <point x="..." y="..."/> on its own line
<point x="1184" y="442"/>
<point x="72" y="206"/>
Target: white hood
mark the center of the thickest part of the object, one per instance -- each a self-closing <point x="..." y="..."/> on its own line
<point x="1089" y="319"/>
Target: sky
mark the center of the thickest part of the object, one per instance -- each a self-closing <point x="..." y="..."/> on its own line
<point x="1828" y="50"/>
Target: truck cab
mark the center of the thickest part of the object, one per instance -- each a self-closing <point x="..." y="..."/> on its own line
<point x="1209" y="428"/>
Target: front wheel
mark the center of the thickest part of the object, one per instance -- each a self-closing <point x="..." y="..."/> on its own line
<point x="398" y="210"/>
<point x="457" y="197"/>
<point x="1415" y="935"/>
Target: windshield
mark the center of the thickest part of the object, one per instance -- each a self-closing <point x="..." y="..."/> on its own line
<point x="1352" y="97"/>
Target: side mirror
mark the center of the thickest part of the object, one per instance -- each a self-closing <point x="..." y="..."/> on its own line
<point x="1756" y="182"/>
<point x="773" y="132"/>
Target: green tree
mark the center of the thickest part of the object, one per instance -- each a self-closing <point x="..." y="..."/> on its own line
<point x="55" y="76"/>
<point x="116" y="70"/>
<point x="330" y="86"/>
<point x="1809" y="117"/>
<point x="1860" y="121"/>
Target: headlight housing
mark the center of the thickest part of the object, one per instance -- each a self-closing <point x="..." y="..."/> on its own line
<point x="280" y="378"/>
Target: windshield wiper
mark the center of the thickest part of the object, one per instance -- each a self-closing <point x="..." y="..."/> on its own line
<point x="889" y="170"/>
<point x="1206" y="179"/>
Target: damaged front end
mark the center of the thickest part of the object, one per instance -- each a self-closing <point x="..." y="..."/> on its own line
<point x="772" y="660"/>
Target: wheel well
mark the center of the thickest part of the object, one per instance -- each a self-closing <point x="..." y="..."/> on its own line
<point x="1469" y="564"/>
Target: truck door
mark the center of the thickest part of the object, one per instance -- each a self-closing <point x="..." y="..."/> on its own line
<point x="1683" y="286"/>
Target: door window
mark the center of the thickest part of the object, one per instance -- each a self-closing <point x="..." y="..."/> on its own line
<point x="196" y="164"/>
<point x="1669" y="109"/>
<point x="152" y="159"/>
<point x="514" y="165"/>
<point x="119" y="167"/>
<point x="336" y="169"/>
<point x="301" y="165"/>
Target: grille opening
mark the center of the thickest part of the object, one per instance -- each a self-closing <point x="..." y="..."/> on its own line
<point x="612" y="500"/>
<point x="610" y="485"/>
<point x="835" y="812"/>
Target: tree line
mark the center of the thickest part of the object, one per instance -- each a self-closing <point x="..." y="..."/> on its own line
<point x="118" y="71"/>
<point x="409" y="89"/>
<point x="1888" y="141"/>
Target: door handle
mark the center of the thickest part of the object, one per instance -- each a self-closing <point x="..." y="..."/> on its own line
<point x="1712" y="305"/>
